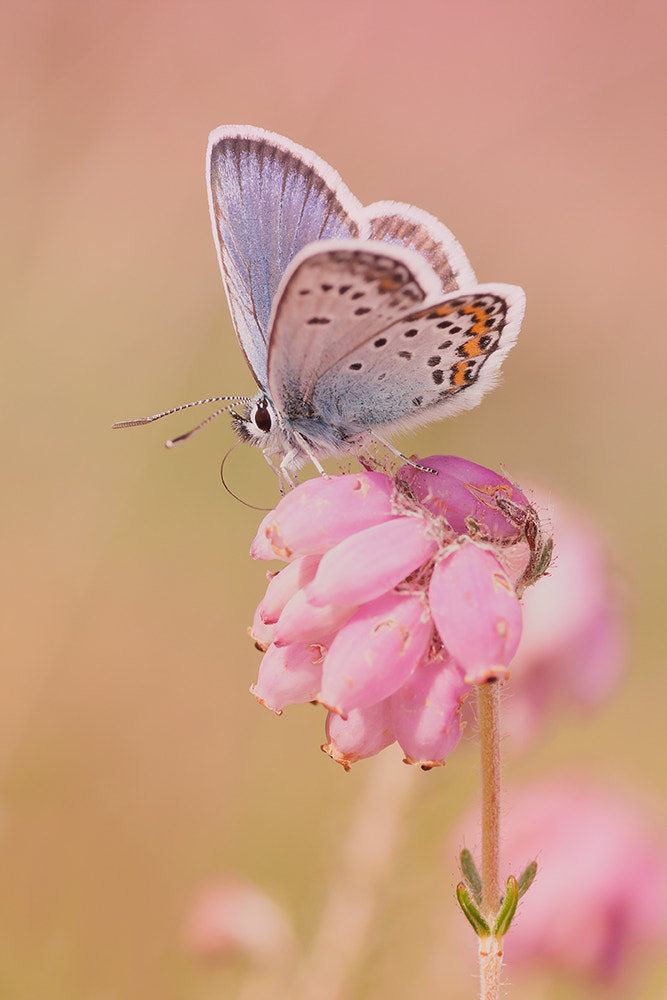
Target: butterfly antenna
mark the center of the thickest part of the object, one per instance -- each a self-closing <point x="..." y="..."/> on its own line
<point x="188" y="434"/>
<point x="184" y="406"/>
<point x="222" y="479"/>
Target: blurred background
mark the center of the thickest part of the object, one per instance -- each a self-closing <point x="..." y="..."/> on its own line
<point x="136" y="766"/>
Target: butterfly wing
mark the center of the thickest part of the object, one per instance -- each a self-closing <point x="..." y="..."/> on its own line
<point x="334" y="297"/>
<point x="410" y="227"/>
<point x="362" y="338"/>
<point x="433" y="362"/>
<point x="269" y="198"/>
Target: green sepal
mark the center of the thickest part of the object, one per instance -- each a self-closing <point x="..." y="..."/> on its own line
<point x="508" y="908"/>
<point x="475" y="918"/>
<point x="544" y="559"/>
<point x="471" y="875"/>
<point x="527" y="877"/>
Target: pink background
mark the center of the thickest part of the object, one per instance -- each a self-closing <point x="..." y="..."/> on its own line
<point x="135" y="763"/>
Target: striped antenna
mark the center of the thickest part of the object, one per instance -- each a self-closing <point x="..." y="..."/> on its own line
<point x="140" y="421"/>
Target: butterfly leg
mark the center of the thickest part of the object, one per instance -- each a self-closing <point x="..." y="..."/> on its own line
<point x="303" y="446"/>
<point x="399" y="454"/>
<point x="282" y="474"/>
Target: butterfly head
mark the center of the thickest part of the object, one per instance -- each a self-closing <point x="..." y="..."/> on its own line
<point x="258" y="424"/>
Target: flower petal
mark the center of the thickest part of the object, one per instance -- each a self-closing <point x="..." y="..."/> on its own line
<point x="289" y="675"/>
<point x="462" y="489"/>
<point x="260" y="633"/>
<point x="303" y="622"/>
<point x="426" y="711"/>
<point x="371" y="562"/>
<point x="476" y="611"/>
<point x="321" y="512"/>
<point x="284" y="585"/>
<point x="365" y="732"/>
<point x="375" y="652"/>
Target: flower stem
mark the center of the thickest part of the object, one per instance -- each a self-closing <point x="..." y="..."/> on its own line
<point x="490" y="948"/>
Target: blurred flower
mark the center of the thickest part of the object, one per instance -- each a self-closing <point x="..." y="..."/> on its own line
<point x="573" y="642"/>
<point x="399" y="594"/>
<point x="231" y="918"/>
<point x="601" y="889"/>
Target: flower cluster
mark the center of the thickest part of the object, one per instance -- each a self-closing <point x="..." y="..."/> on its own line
<point x="400" y="594"/>
<point x="601" y="893"/>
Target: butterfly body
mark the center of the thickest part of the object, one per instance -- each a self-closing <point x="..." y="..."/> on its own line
<point x="354" y="321"/>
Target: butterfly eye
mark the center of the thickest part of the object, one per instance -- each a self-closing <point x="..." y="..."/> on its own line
<point x="262" y="418"/>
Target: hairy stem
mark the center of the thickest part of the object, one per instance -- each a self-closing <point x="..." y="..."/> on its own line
<point x="490" y="949"/>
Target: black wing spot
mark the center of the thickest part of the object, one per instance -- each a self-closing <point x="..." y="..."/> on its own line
<point x="417" y="401"/>
<point x="445" y="344"/>
<point x="456" y="329"/>
<point x="445" y="323"/>
<point x="381" y="376"/>
<point x="433" y="361"/>
<point x="326" y="288"/>
<point x="485" y="341"/>
<point x="362" y="310"/>
<point x="315" y="320"/>
<point x="380" y="342"/>
<point x="357" y="295"/>
<point x="411" y="333"/>
<point x="304" y="291"/>
<point x="343" y="289"/>
<point x="356" y="366"/>
<point x="405" y="354"/>
<point x="438" y="376"/>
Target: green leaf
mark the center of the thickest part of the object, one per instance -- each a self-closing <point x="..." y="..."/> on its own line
<point x="527" y="877"/>
<point x="477" y="921"/>
<point x="471" y="875"/>
<point x="508" y="908"/>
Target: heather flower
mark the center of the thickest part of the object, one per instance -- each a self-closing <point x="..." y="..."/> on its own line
<point x="573" y="643"/>
<point x="399" y="595"/>
<point x="600" y="895"/>
<point x="230" y="918"/>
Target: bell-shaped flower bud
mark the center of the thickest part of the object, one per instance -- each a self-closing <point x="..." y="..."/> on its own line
<point x="363" y="733"/>
<point x="322" y="512"/>
<point x="371" y="562"/>
<point x="375" y="652"/>
<point x="426" y="711"/>
<point x="476" y="611"/>
<point x="289" y="675"/>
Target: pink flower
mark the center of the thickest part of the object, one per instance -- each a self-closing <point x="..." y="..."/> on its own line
<point x="399" y="594"/>
<point x="600" y="894"/>
<point x="573" y="643"/>
<point x="230" y="917"/>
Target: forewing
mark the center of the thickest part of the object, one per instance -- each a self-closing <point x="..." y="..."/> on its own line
<point x="439" y="359"/>
<point x="269" y="198"/>
<point x="334" y="299"/>
<point x="407" y="226"/>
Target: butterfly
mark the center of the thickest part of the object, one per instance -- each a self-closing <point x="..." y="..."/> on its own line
<point x="355" y="321"/>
